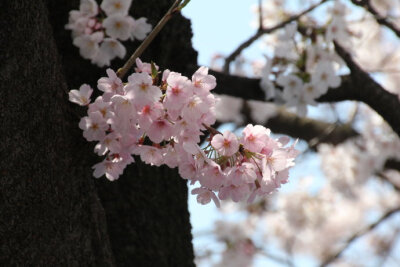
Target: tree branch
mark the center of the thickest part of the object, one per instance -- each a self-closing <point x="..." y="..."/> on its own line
<point x="249" y="88"/>
<point x="381" y="20"/>
<point x="371" y="227"/>
<point x="261" y="31"/>
<point x="313" y="131"/>
<point x="372" y="93"/>
<point x="358" y="86"/>
<point x="390" y="164"/>
<point x="128" y="64"/>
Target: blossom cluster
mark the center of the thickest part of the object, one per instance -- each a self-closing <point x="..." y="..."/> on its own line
<point x="354" y="162"/>
<point x="161" y="119"/>
<point x="240" y="249"/>
<point x="98" y="30"/>
<point x="304" y="73"/>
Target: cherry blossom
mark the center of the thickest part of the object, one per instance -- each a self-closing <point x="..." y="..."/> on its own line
<point x="137" y="119"/>
<point x="118" y="26"/>
<point x="112" y="48"/>
<point x="81" y="97"/>
<point x="142" y="88"/>
<point x="97" y="31"/>
<point x="202" y="81"/>
<point x="226" y="144"/>
<point x="93" y="126"/>
<point x="89" y="44"/>
<point x="112" y="7"/>
<point x="325" y="77"/>
<point x="139" y="29"/>
<point x="89" y="8"/>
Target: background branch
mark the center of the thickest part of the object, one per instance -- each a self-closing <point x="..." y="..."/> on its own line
<point x="261" y="31"/>
<point x="380" y="19"/>
<point x="313" y="131"/>
<point x="371" y="92"/>
<point x="358" y="86"/>
<point x="349" y="241"/>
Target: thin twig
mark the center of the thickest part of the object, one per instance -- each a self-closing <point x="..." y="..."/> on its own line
<point x="384" y="177"/>
<point x="313" y="143"/>
<point x="173" y="9"/>
<point x="380" y="19"/>
<point x="349" y="241"/>
<point x="260" y="16"/>
<point x="392" y="243"/>
<point x="275" y="258"/>
<point x="261" y="31"/>
<point x="211" y="130"/>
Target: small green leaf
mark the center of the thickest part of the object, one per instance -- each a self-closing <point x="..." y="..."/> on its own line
<point x="154" y="71"/>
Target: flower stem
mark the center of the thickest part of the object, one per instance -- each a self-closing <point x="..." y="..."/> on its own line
<point x="211" y="130"/>
<point x="172" y="10"/>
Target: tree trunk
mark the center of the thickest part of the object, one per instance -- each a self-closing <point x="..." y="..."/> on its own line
<point x="50" y="211"/>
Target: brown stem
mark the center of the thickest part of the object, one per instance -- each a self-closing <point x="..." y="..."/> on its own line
<point x="384" y="177"/>
<point x="349" y="241"/>
<point x="371" y="92"/>
<point x="261" y="31"/>
<point x="380" y="19"/>
<point x="212" y="130"/>
<point x="173" y="9"/>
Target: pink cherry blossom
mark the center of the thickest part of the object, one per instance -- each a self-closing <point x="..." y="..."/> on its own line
<point x="112" y="7"/>
<point x="205" y="195"/>
<point x="126" y="118"/>
<point x="194" y="109"/>
<point x="81" y="97"/>
<point x="97" y="31"/>
<point x="89" y="44"/>
<point x="178" y="91"/>
<point x="202" y="81"/>
<point x="89" y="8"/>
<point x="159" y="130"/>
<point x="112" y="48"/>
<point x="139" y="29"/>
<point x="103" y="107"/>
<point x="254" y="137"/>
<point x="244" y="173"/>
<point x="94" y="126"/>
<point x="111" y="83"/>
<point x="236" y="193"/>
<point x="187" y="169"/>
<point x="111" y="168"/>
<point x="213" y="177"/>
<point x="144" y="92"/>
<point x="149" y="113"/>
<point x="118" y="26"/>
<point x="143" y="66"/>
<point x="151" y="155"/>
<point x="226" y="144"/>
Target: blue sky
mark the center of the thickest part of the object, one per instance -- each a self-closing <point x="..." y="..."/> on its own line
<point x="219" y="26"/>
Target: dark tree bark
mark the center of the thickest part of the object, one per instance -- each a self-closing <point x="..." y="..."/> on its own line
<point x="51" y="209"/>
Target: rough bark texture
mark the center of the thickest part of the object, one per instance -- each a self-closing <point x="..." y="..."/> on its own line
<point x="50" y="212"/>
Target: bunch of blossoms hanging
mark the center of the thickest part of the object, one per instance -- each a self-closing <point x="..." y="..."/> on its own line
<point x="299" y="74"/>
<point x="97" y="31"/>
<point x="160" y="117"/>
